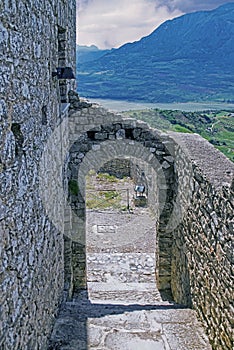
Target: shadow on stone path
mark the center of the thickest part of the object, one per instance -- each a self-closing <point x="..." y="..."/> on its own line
<point x="122" y="309"/>
<point x="84" y="325"/>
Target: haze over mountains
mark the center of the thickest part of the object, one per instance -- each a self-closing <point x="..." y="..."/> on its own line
<point x="89" y="53"/>
<point x="189" y="58"/>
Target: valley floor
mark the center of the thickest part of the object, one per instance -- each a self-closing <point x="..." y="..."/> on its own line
<point x="120" y="105"/>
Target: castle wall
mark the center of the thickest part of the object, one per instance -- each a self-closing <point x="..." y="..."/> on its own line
<point x="202" y="255"/>
<point x="35" y="38"/>
<point x="189" y="186"/>
<point x="98" y="137"/>
<point x="119" y="168"/>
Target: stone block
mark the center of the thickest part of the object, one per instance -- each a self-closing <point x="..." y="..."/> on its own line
<point x="101" y="136"/>
<point x="120" y="134"/>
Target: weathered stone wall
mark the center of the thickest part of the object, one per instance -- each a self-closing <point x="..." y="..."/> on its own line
<point x="202" y="258"/>
<point x="31" y="243"/>
<point x="189" y="185"/>
<point x="119" y="168"/>
<point x="97" y="137"/>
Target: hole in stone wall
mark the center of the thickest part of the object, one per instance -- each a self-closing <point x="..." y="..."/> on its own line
<point x="120" y="238"/>
<point x="129" y="134"/>
<point x="105" y="200"/>
<point x="19" y="138"/>
<point x="44" y="115"/>
<point x="61" y="46"/>
<point x="91" y="135"/>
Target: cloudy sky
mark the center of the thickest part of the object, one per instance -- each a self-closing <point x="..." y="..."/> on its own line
<point x="111" y="23"/>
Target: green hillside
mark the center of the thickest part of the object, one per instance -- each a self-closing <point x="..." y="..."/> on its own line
<point x="217" y="127"/>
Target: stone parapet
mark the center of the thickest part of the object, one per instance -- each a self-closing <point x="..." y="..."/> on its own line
<point x="202" y="257"/>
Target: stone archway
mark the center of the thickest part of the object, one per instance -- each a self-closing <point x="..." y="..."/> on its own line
<point x="91" y="150"/>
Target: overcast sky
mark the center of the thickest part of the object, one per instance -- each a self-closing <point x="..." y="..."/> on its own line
<point x="111" y="23"/>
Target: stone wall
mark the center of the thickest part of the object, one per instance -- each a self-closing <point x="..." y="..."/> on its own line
<point x="189" y="186"/>
<point x="202" y="258"/>
<point x="31" y="243"/>
<point x="193" y="207"/>
<point x="119" y="168"/>
<point x="98" y="137"/>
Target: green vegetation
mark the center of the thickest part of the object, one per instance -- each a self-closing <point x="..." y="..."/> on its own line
<point x="106" y="177"/>
<point x="109" y="195"/>
<point x="103" y="200"/>
<point x="217" y="127"/>
<point x="105" y="191"/>
<point x="73" y="187"/>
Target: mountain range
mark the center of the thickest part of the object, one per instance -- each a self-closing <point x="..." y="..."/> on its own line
<point x="189" y="58"/>
<point x="89" y="53"/>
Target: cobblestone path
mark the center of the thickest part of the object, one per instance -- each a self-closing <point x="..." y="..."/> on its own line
<point x="122" y="308"/>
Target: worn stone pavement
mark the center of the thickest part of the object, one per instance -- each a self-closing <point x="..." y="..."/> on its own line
<point x="122" y="308"/>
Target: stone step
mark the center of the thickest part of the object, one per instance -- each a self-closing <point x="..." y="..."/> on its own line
<point x="122" y="287"/>
<point x="86" y="325"/>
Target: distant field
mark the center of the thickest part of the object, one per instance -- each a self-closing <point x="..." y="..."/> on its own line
<point x="215" y="126"/>
<point x="213" y="121"/>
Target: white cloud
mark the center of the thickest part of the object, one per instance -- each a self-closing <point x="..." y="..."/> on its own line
<point x="109" y="24"/>
<point x="195" y="5"/>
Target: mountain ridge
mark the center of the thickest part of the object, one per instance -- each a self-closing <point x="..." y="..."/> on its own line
<point x="189" y="58"/>
<point x="89" y="53"/>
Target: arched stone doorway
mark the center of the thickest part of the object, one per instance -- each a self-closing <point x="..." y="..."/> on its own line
<point x="91" y="150"/>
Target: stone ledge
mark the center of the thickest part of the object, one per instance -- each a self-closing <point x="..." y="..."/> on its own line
<point x="218" y="169"/>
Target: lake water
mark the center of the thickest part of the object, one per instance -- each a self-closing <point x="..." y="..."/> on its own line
<point x="119" y="106"/>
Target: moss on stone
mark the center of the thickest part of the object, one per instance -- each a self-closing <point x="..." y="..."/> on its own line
<point x="73" y="187"/>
